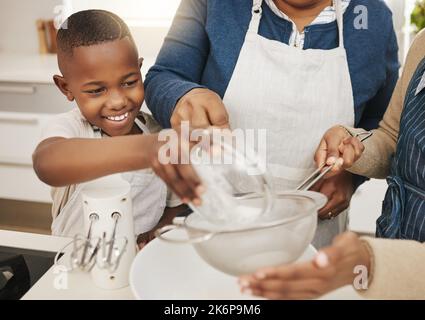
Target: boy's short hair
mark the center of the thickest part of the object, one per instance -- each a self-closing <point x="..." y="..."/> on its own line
<point x="90" y="27"/>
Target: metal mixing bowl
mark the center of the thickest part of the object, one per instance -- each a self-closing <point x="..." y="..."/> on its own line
<point x="277" y="238"/>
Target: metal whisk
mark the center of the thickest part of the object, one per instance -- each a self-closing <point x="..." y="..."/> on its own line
<point x="111" y="252"/>
<point x="86" y="247"/>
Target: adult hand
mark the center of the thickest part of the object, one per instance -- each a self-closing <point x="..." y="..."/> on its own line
<point x="333" y="267"/>
<point x="339" y="147"/>
<point x="202" y="108"/>
<point x="339" y="189"/>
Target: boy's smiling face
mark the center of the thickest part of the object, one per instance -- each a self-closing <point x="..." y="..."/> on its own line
<point x="106" y="82"/>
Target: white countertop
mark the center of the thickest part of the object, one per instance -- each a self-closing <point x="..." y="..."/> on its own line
<point x="79" y="284"/>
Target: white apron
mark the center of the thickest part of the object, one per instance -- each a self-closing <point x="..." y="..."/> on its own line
<point x="149" y="195"/>
<point x="296" y="95"/>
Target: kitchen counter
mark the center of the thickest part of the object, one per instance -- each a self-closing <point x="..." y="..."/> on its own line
<point x="78" y="285"/>
<point x="28" y="68"/>
<point x="55" y="284"/>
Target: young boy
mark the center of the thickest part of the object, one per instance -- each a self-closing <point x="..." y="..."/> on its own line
<point x="107" y="133"/>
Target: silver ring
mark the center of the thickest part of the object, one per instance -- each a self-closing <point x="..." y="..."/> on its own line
<point x="330" y="215"/>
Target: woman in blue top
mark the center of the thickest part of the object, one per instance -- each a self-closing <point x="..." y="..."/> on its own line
<point x="292" y="67"/>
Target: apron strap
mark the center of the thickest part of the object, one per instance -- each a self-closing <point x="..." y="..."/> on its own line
<point x="340" y="22"/>
<point x="256" y="16"/>
<point x="141" y="126"/>
<point x="97" y="132"/>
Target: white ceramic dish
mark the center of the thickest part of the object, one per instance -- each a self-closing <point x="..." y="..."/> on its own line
<point x="165" y="271"/>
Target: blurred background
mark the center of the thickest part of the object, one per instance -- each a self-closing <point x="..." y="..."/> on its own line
<point x="28" y="96"/>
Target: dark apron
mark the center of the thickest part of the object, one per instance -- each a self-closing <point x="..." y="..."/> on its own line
<point x="403" y="210"/>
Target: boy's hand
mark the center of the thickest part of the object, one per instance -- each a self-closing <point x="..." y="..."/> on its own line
<point x="144" y="238"/>
<point x="339" y="147"/>
<point x="166" y="219"/>
<point x="170" y="161"/>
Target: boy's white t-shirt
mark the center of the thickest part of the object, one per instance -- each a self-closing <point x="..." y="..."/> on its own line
<point x="72" y="124"/>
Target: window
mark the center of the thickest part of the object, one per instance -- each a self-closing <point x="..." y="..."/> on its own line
<point x="408" y="29"/>
<point x="401" y="16"/>
<point x="136" y="13"/>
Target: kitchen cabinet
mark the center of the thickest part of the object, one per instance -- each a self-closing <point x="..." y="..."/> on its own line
<point x="28" y="98"/>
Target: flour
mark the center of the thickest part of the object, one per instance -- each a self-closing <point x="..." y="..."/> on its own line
<point x="230" y="213"/>
<point x="222" y="181"/>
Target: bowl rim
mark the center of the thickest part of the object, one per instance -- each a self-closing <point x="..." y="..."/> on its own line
<point x="317" y="197"/>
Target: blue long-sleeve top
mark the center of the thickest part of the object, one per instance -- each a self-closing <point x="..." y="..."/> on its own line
<point x="206" y="36"/>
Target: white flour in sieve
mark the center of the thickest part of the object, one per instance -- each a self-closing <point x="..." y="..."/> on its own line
<point x="222" y="181"/>
<point x="228" y="212"/>
<point x="245" y="214"/>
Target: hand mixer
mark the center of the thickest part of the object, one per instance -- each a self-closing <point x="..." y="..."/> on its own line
<point x="109" y="246"/>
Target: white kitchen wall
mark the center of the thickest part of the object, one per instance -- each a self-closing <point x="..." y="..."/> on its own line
<point x="401" y="15"/>
<point x="135" y="12"/>
<point x="397" y="7"/>
<point x="18" y="32"/>
<point x="149" y="20"/>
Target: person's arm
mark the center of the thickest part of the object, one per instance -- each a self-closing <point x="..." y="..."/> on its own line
<point x="172" y="85"/>
<point x="180" y="62"/>
<point x="373" y="158"/>
<point x="376" y="268"/>
<point x="331" y="268"/>
<point x="62" y="161"/>
<point x="376" y="107"/>
<point x="375" y="162"/>
<point x="380" y="148"/>
<point x="396" y="269"/>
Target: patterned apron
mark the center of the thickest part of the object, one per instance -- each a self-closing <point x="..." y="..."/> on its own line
<point x="403" y="210"/>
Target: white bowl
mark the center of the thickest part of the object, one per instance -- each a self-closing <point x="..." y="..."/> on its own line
<point x="165" y="271"/>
